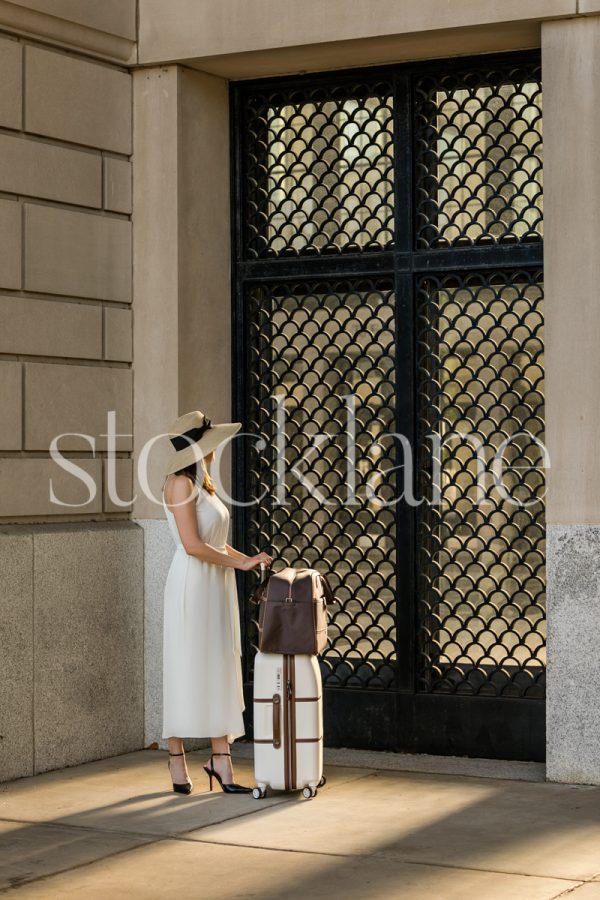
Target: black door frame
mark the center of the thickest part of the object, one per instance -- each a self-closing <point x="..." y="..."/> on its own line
<point x="402" y="719"/>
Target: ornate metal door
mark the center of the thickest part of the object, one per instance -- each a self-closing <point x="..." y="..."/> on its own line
<point x="388" y="350"/>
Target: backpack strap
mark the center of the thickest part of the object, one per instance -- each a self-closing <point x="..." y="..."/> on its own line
<point x="329" y="598"/>
<point x="259" y="592"/>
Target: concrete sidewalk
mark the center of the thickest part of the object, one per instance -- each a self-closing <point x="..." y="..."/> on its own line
<point x="382" y="827"/>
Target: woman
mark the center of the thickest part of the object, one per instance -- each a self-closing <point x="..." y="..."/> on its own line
<point x="202" y="673"/>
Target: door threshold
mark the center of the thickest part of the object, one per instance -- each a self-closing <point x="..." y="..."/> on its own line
<point x="510" y="770"/>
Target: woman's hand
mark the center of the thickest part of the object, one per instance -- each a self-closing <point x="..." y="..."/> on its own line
<point x="252" y="562"/>
<point x="266" y="559"/>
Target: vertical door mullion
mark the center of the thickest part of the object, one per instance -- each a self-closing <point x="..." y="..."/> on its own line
<point x="405" y="383"/>
<point x="403" y="165"/>
<point x="405" y="513"/>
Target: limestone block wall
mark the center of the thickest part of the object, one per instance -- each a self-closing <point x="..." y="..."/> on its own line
<point x="106" y="29"/>
<point x="65" y="277"/>
<point x="71" y="592"/>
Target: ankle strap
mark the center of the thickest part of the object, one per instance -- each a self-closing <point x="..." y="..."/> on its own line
<point x="176" y="754"/>
<point x="220" y="754"/>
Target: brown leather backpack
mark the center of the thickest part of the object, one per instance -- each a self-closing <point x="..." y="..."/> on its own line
<point x="292" y="614"/>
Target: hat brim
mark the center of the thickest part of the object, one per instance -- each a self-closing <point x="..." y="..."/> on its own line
<point x="195" y="452"/>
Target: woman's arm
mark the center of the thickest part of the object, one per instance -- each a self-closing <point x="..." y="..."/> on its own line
<point x="183" y="506"/>
<point x="237" y="554"/>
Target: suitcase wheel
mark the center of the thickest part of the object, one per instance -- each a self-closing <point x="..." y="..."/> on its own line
<point x="322" y="781"/>
<point x="258" y="793"/>
<point x="309" y="792"/>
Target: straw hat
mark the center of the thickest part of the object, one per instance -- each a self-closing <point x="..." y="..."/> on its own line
<point x="193" y="435"/>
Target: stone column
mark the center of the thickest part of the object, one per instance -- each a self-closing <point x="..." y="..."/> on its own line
<point x="571" y="79"/>
<point x="205" y="364"/>
<point x="182" y="301"/>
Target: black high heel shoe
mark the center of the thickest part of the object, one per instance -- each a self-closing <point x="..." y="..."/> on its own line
<point x="186" y="787"/>
<point x="229" y="788"/>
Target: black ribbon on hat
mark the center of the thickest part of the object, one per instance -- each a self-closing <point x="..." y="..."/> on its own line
<point x="187" y="438"/>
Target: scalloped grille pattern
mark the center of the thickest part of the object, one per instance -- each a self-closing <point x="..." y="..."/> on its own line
<point x="478" y="157"/>
<point x="388" y="245"/>
<point x="319" y="170"/>
<point x="480" y="568"/>
<point x="314" y="343"/>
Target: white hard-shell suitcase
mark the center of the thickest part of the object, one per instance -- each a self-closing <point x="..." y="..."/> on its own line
<point x="288" y="723"/>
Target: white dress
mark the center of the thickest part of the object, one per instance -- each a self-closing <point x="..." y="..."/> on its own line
<point x="202" y="668"/>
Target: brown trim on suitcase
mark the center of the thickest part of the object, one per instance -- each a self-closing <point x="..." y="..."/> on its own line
<point x="293" y="764"/>
<point x="276" y="721"/>
<point x="314" y="609"/>
<point x="286" y="738"/>
<point x="298" y="699"/>
<point x="308" y="740"/>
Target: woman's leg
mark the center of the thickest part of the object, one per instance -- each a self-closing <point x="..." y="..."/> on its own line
<point x="222" y="764"/>
<point x="179" y="772"/>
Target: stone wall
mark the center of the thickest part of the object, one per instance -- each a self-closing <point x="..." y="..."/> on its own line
<point x="71" y="644"/>
<point x="65" y="276"/>
<point x="71" y="593"/>
<point x="571" y="65"/>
